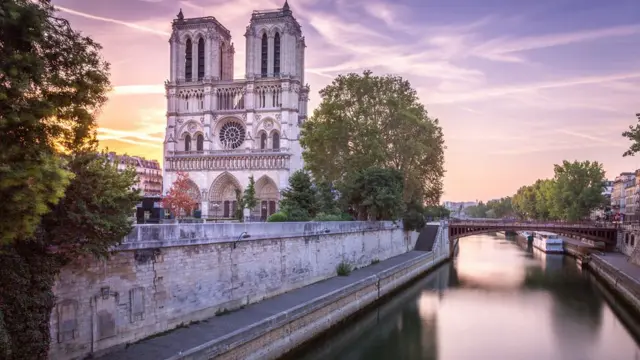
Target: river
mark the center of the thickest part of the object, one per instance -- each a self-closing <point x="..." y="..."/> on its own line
<point x="495" y="301"/>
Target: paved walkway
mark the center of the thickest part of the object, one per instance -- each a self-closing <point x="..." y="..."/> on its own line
<point x="182" y="339"/>
<point x="621" y="262"/>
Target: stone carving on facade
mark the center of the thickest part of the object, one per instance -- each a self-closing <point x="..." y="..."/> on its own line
<point x="244" y="116"/>
<point x="202" y="120"/>
<point x="278" y="117"/>
<point x="214" y="117"/>
<point x="257" y="117"/>
<point x="192" y="128"/>
<point x="268" y="124"/>
<point x="179" y="121"/>
<point x="250" y="31"/>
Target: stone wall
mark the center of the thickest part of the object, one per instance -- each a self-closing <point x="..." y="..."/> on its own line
<point x="166" y="275"/>
<point x="628" y="241"/>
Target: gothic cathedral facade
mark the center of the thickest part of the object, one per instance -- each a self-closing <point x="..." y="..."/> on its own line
<point x="222" y="130"/>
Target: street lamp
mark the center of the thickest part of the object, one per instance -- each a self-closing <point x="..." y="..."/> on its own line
<point x="243" y="235"/>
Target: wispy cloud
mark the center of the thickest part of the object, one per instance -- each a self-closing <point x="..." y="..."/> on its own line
<point x="504" y="49"/>
<point x="131" y="137"/>
<point x="131" y="25"/>
<point x="138" y="89"/>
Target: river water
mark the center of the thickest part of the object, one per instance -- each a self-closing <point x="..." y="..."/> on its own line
<point x="495" y="301"/>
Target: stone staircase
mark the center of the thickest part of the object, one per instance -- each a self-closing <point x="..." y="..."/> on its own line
<point x="427" y="238"/>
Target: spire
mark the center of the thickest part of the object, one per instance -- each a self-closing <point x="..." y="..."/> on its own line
<point x="286" y="6"/>
<point x="180" y="15"/>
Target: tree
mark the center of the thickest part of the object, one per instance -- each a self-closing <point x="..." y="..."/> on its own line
<point x="326" y="199"/>
<point x="633" y="134"/>
<point x="93" y="216"/>
<point x="299" y="199"/>
<point x="249" y="200"/>
<point x="52" y="82"/>
<point x="434" y="212"/>
<point x="374" y="194"/>
<point x="239" y="212"/>
<point x="578" y="189"/>
<point x="181" y="199"/>
<point x="368" y="121"/>
<point x="413" y="217"/>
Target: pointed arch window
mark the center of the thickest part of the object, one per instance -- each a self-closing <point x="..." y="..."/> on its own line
<point x="276" y="54"/>
<point x="275" y="140"/>
<point x="187" y="143"/>
<point x="264" y="64"/>
<point x="200" y="59"/>
<point x="221" y="54"/>
<point x="263" y="141"/>
<point x="188" y="61"/>
<point x="200" y="142"/>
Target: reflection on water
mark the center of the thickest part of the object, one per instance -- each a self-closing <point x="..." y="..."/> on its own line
<point x="495" y="301"/>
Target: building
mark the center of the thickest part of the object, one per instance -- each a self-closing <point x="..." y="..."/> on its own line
<point x="149" y="172"/>
<point x="222" y="130"/>
<point x="619" y="192"/>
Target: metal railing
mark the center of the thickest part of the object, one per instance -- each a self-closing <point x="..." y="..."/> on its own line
<point x="525" y="223"/>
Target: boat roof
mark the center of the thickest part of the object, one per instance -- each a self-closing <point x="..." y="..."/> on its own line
<point x="545" y="233"/>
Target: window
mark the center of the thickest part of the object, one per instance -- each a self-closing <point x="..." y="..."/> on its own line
<point x="221" y="54"/>
<point x="263" y="141"/>
<point x="275" y="141"/>
<point x="276" y="54"/>
<point x="201" y="59"/>
<point x="187" y="143"/>
<point x="264" y="53"/>
<point x="188" y="61"/>
<point x="200" y="142"/>
<point x="232" y="135"/>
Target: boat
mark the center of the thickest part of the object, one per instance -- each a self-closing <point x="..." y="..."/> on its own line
<point x="548" y="242"/>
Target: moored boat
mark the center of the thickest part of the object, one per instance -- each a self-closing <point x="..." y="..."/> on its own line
<point x="548" y="242"/>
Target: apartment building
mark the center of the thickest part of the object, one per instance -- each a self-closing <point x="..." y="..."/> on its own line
<point x="149" y="172"/>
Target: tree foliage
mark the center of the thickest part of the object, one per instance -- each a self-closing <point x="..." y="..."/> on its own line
<point x="374" y="194"/>
<point x="574" y="191"/>
<point x="249" y="199"/>
<point x="181" y="199"/>
<point x="633" y="134"/>
<point x="52" y="82"/>
<point x="498" y="208"/>
<point x="93" y="216"/>
<point x="369" y="121"/>
<point x="436" y="211"/>
<point x="299" y="199"/>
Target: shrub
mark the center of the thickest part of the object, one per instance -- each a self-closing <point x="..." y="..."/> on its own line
<point x="413" y="217"/>
<point x="278" y="217"/>
<point x="343" y="269"/>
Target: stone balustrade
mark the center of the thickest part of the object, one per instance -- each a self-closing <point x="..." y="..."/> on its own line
<point x="180" y="234"/>
<point x="228" y="162"/>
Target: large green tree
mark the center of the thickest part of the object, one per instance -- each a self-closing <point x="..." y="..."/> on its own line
<point x="60" y="199"/>
<point x="52" y="81"/>
<point x="578" y="189"/>
<point x="633" y="134"/>
<point x="368" y="121"/>
<point x="374" y="194"/>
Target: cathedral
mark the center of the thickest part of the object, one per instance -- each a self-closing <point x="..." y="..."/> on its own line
<point x="222" y="130"/>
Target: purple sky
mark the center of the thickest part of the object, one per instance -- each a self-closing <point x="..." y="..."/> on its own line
<point x="517" y="85"/>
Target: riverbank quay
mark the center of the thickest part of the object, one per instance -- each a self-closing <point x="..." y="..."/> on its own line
<point x="622" y="276"/>
<point x="271" y="328"/>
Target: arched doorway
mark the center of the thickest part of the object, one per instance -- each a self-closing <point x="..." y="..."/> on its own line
<point x="268" y="197"/>
<point x="222" y="196"/>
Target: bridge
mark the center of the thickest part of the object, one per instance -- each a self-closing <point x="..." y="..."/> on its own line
<point x="604" y="232"/>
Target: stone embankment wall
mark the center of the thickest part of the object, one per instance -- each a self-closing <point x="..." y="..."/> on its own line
<point x="623" y="284"/>
<point x="629" y="242"/>
<point x="166" y="275"/>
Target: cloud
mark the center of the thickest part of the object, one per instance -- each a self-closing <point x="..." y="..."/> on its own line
<point x="503" y="49"/>
<point x="138" y="89"/>
<point x="443" y="98"/>
<point x="131" y="137"/>
<point x="128" y="24"/>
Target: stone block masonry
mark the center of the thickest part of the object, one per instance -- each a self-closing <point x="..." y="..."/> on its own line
<point x="164" y="276"/>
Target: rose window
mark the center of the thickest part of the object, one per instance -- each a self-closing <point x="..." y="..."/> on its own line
<point x="232" y="135"/>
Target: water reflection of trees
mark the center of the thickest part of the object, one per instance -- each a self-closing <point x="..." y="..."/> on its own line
<point x="404" y="327"/>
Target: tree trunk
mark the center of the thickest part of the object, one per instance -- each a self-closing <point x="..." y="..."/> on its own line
<point x="27" y="274"/>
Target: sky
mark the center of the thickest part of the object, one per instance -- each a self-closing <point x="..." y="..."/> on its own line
<point x="516" y="85"/>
